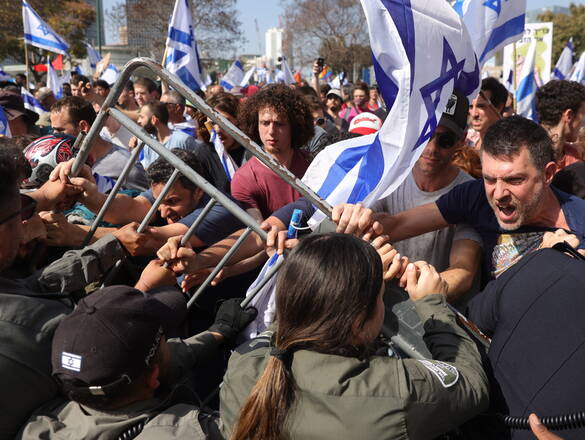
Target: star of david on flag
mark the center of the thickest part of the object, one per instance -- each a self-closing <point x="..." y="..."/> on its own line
<point x="421" y="53"/>
<point x="492" y="24"/>
<point x="182" y="55"/>
<point x="38" y="33"/>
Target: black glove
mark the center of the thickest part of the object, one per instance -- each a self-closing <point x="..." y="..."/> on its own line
<point x="231" y="318"/>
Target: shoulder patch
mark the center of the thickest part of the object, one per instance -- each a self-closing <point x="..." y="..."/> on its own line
<point x="260" y="341"/>
<point x="447" y="374"/>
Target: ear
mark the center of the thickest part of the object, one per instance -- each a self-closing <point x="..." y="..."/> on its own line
<point x="154" y="120"/>
<point x="197" y="194"/>
<point x="567" y="116"/>
<point x="152" y="378"/>
<point x="83" y="126"/>
<point x="549" y="172"/>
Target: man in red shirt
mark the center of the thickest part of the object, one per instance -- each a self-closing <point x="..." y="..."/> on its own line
<point x="279" y="119"/>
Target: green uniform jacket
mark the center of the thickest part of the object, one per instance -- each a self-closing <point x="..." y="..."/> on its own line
<point x="164" y="417"/>
<point x="378" y="398"/>
<point x="30" y="310"/>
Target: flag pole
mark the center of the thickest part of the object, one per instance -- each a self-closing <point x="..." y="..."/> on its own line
<point x="514" y="76"/>
<point x="164" y="86"/>
<point x="26" y="64"/>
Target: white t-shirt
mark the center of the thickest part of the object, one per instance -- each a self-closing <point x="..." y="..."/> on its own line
<point x="432" y="247"/>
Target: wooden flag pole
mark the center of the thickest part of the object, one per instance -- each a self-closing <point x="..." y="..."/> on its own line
<point x="26" y="64"/>
<point x="164" y="86"/>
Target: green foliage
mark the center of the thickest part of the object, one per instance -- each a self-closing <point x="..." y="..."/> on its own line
<point x="565" y="27"/>
<point x="70" y="19"/>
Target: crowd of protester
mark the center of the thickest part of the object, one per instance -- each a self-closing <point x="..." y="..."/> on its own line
<point x="489" y="223"/>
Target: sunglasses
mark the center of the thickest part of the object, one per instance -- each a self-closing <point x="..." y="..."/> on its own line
<point x="445" y="140"/>
<point x="319" y="121"/>
<point x="27" y="209"/>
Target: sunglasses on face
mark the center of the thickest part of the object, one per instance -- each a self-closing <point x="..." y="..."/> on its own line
<point x="27" y="209"/>
<point x="445" y="140"/>
<point x="319" y="121"/>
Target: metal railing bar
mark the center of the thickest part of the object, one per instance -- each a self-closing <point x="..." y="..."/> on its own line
<point x="208" y="207"/>
<point x="219" y="266"/>
<point x="269" y="274"/>
<point x="121" y="179"/>
<point x="148" y="217"/>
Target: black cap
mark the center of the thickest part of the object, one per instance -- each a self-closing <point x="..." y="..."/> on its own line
<point x="455" y="115"/>
<point x="113" y="334"/>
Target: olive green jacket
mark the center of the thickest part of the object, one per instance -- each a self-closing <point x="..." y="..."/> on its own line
<point x="377" y="398"/>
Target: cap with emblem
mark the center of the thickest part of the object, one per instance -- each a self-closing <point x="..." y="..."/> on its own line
<point x="112" y="335"/>
<point x="365" y="123"/>
<point x="455" y="115"/>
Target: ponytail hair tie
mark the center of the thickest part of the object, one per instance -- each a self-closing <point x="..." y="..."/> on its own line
<point x="283" y="355"/>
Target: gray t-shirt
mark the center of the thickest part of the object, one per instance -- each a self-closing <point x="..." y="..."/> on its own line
<point x="432" y="247"/>
<point x="112" y="164"/>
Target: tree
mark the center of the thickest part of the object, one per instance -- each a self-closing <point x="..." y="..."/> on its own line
<point x="334" y="29"/>
<point x="215" y="23"/>
<point x="565" y="27"/>
<point x="70" y="19"/>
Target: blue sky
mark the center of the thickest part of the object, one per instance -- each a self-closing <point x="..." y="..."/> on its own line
<point x="267" y="13"/>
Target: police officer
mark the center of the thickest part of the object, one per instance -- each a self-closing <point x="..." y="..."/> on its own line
<point x="316" y="377"/>
<point x="122" y="376"/>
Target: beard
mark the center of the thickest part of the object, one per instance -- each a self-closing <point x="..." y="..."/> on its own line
<point x="150" y="128"/>
<point x="522" y="212"/>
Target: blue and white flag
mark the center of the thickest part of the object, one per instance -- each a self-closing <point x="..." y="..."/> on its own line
<point x="31" y="103"/>
<point x="286" y="74"/>
<point x="38" y="33"/>
<point x="4" y="127"/>
<point x="182" y="54"/>
<point x="233" y="77"/>
<point x="579" y="71"/>
<point x="53" y="81"/>
<point x="4" y="76"/>
<point x="509" y="80"/>
<point x="526" y="93"/>
<point x="492" y="24"/>
<point x="565" y="62"/>
<point x="110" y="75"/>
<point x="421" y="53"/>
<point x="93" y="55"/>
<point x="339" y="81"/>
<point x="229" y="166"/>
<point x="248" y="76"/>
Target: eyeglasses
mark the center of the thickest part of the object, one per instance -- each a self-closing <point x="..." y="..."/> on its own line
<point x="319" y="121"/>
<point x="28" y="206"/>
<point x="445" y="140"/>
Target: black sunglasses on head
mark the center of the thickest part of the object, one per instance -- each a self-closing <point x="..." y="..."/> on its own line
<point x="445" y="140"/>
<point x="28" y="206"/>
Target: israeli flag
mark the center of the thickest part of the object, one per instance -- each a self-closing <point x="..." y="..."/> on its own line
<point x="286" y="74"/>
<point x="31" y="103"/>
<point x="565" y="62"/>
<point x="110" y="75"/>
<point x="339" y="81"/>
<point x="526" y="93"/>
<point x="38" y="33"/>
<point x="4" y="127"/>
<point x="53" y="81"/>
<point x="4" y="76"/>
<point x="492" y="24"/>
<point x="579" y="72"/>
<point x="421" y="53"/>
<point x="229" y="166"/>
<point x="261" y="74"/>
<point x="182" y="55"/>
<point x="248" y="76"/>
<point x="509" y="80"/>
<point x="233" y="77"/>
<point x="93" y="55"/>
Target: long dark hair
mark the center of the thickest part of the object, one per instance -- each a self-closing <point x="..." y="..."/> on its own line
<point x="327" y="283"/>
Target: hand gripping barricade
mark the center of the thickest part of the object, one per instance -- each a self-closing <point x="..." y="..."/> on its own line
<point x="413" y="347"/>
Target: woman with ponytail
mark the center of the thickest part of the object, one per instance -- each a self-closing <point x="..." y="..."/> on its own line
<point x="317" y="375"/>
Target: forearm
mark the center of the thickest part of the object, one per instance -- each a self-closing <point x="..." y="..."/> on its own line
<point x="122" y="210"/>
<point x="245" y="265"/>
<point x="460" y="282"/>
<point x="463" y="265"/>
<point x="211" y="256"/>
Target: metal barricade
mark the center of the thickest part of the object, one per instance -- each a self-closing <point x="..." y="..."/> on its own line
<point x="216" y="196"/>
